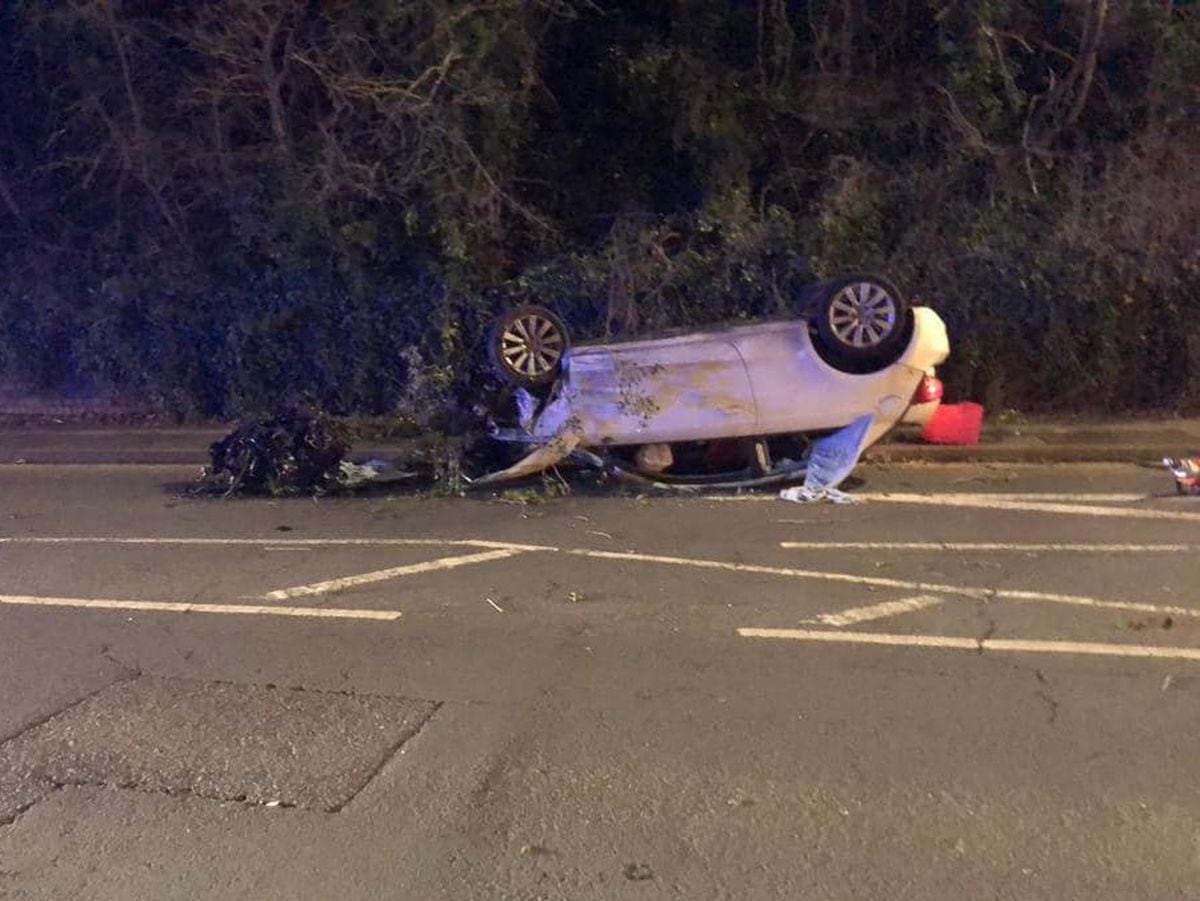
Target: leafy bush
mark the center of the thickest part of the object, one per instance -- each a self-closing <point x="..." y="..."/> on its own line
<point x="225" y="204"/>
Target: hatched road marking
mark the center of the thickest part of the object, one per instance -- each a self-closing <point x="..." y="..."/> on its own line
<point x="383" y="575"/>
<point x="878" y="611"/>
<point x="881" y="582"/>
<point x="922" y="594"/>
<point x="500" y="551"/>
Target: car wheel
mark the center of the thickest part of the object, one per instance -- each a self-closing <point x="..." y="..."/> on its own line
<point x="861" y="321"/>
<point x="527" y="344"/>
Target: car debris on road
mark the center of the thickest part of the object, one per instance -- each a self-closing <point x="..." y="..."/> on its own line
<point x="1187" y="473"/>
<point x="294" y="451"/>
<point x="297" y="451"/>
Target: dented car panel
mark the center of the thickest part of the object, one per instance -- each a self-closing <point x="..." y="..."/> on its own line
<point x="656" y="391"/>
<point x="733" y="382"/>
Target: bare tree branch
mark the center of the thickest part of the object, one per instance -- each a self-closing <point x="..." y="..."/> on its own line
<point x="1086" y="65"/>
<point x="964" y="126"/>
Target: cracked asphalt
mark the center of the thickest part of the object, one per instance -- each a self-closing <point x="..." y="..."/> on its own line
<point x="983" y="681"/>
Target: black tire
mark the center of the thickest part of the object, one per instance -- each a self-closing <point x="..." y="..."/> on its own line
<point x="526" y="346"/>
<point x="862" y="322"/>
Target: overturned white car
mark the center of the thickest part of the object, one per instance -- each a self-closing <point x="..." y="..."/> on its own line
<point x="857" y="349"/>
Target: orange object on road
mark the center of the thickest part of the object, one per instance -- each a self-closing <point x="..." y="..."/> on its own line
<point x="954" y="424"/>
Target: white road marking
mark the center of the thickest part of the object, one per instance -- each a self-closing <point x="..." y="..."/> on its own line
<point x="970" y="644"/>
<point x="505" y="549"/>
<point x="185" y="607"/>
<point x="283" y="542"/>
<point x="882" y="582"/>
<point x="382" y="575"/>
<point x="988" y="546"/>
<point x="1084" y="498"/>
<point x="921" y="641"/>
<point x="740" y="498"/>
<point x="879" y="611"/>
<point x="1073" y="498"/>
<point x="1000" y="503"/>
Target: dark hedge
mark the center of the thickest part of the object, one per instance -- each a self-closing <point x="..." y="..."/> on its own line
<point x="226" y="205"/>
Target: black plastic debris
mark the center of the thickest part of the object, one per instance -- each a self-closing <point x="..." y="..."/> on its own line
<point x="295" y="452"/>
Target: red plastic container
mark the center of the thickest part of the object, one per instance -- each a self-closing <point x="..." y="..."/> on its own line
<point x="954" y="424"/>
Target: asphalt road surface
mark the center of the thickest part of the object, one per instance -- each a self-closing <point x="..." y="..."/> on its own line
<point x="978" y="682"/>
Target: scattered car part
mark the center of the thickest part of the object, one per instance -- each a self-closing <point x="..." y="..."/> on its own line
<point x="542" y="458"/>
<point x="1187" y="473"/>
<point x="372" y="472"/>
<point x="295" y="451"/>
